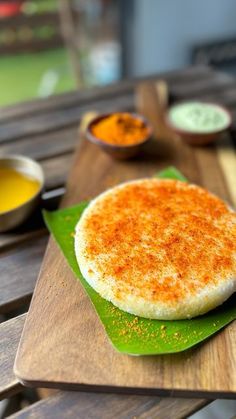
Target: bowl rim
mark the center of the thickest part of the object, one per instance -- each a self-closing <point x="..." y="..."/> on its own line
<point x="91" y="137"/>
<point x="41" y="182"/>
<point x="182" y="131"/>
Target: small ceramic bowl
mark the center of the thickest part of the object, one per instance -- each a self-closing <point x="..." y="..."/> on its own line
<point x="199" y="138"/>
<point x="16" y="216"/>
<point x="120" y="152"/>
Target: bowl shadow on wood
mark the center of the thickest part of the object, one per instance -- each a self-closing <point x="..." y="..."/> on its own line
<point x="230" y="134"/>
<point x="221" y="140"/>
<point x="155" y="149"/>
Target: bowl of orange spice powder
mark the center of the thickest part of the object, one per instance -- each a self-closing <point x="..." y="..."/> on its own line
<point x="121" y="134"/>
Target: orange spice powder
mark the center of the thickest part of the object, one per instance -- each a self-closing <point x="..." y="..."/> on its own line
<point x="120" y="129"/>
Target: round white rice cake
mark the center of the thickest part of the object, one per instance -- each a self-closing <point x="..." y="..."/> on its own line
<point x="160" y="249"/>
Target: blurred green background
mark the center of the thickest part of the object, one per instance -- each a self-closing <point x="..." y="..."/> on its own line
<point x="54" y="46"/>
<point x="28" y="74"/>
<point x="34" y="75"/>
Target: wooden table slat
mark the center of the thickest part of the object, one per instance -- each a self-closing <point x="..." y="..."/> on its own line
<point x="226" y="96"/>
<point x="56" y="170"/>
<point x="58" y="119"/>
<point x="45" y="145"/>
<point x="16" y="237"/>
<point x="34" y="227"/>
<point x="10" y="332"/>
<point x="214" y="83"/>
<point x="106" y="406"/>
<point x="19" y="271"/>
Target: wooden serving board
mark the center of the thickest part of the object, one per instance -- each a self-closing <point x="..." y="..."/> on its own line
<point x="63" y="343"/>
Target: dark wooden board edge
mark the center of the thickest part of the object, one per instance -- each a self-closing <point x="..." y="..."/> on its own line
<point x="183" y="393"/>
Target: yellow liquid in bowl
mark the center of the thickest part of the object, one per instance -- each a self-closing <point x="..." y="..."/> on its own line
<point x="15" y="189"/>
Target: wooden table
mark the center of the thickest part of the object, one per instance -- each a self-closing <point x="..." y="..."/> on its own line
<point x="47" y="130"/>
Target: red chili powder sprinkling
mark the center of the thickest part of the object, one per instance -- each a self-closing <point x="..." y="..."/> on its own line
<point x="162" y="240"/>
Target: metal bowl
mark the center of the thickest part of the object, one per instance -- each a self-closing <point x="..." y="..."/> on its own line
<point x="120" y="152"/>
<point x="16" y="216"/>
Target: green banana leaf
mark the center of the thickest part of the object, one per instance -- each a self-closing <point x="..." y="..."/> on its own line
<point x="128" y="333"/>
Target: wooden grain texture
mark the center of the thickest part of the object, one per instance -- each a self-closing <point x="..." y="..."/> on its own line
<point x="214" y="82"/>
<point x="56" y="170"/>
<point x="106" y="406"/>
<point x="10" y="332"/>
<point x="71" y="348"/>
<point x="19" y="271"/>
<point x="44" y="146"/>
<point x="20" y="235"/>
<point x="58" y="118"/>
